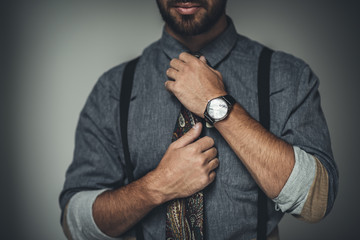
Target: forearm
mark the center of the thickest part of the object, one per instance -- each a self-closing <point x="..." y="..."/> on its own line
<point x="269" y="159"/>
<point x="103" y="215"/>
<point x="116" y="211"/>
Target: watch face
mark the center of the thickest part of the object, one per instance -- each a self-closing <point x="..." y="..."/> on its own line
<point x="217" y="108"/>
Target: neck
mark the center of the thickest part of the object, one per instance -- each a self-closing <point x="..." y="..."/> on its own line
<point x="197" y="42"/>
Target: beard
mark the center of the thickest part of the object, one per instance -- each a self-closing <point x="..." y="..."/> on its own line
<point x="195" y="24"/>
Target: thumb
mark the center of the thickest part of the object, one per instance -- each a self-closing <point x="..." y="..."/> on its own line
<point x="203" y="59"/>
<point x="190" y="136"/>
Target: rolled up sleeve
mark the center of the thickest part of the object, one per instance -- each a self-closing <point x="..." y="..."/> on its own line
<point x="79" y="217"/>
<point x="96" y="164"/>
<point x="316" y="202"/>
<point x="306" y="130"/>
<point x="294" y="194"/>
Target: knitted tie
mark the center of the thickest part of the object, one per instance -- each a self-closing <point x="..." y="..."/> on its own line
<point x="184" y="217"/>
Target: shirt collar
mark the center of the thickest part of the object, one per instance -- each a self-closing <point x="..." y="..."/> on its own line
<point x="214" y="51"/>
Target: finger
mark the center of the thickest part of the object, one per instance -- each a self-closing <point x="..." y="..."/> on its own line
<point x="190" y="136"/>
<point x="186" y="57"/>
<point x="203" y="59"/>
<point x="169" y="85"/>
<point x="177" y="64"/>
<point x="210" y="154"/>
<point x="213" y="164"/>
<point x="212" y="176"/>
<point x="204" y="143"/>
<point x="171" y="73"/>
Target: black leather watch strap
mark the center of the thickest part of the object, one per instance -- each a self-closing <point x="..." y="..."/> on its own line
<point x="208" y="118"/>
<point x="229" y="99"/>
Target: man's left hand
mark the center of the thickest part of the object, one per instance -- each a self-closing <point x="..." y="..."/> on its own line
<point x="193" y="82"/>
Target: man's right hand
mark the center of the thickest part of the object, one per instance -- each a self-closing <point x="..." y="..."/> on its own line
<point x="187" y="166"/>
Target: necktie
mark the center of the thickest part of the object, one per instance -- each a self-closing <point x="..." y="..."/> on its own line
<point x="184" y="217"/>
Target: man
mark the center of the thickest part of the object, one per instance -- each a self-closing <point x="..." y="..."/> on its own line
<point x="292" y="163"/>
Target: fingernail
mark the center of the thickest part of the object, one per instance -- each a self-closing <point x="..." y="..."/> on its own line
<point x="196" y="126"/>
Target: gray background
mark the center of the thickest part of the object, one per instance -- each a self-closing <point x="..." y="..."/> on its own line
<point x="54" y="51"/>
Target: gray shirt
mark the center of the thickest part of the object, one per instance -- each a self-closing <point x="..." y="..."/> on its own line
<point x="231" y="200"/>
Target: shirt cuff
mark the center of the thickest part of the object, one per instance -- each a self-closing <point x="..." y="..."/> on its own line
<point x="316" y="202"/>
<point x="293" y="195"/>
<point x="80" y="219"/>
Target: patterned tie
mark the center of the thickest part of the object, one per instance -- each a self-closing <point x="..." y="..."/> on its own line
<point x="185" y="216"/>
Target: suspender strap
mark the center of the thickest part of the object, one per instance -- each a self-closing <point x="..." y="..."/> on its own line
<point x="264" y="116"/>
<point x="125" y="94"/>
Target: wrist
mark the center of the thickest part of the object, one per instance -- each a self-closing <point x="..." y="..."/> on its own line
<point x="154" y="188"/>
<point x="205" y="100"/>
<point x="218" y="108"/>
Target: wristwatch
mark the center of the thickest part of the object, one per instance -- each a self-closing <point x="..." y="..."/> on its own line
<point x="218" y="108"/>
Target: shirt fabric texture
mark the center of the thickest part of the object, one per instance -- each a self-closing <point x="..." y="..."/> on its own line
<point x="231" y="200"/>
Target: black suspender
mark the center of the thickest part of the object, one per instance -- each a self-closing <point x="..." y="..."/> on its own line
<point x="264" y="116"/>
<point x="125" y="95"/>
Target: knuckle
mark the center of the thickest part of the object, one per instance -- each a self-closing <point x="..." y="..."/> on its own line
<point x="202" y="159"/>
<point x="187" y="68"/>
<point x="203" y="172"/>
<point x="173" y="86"/>
<point x="204" y="180"/>
<point x="193" y="148"/>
